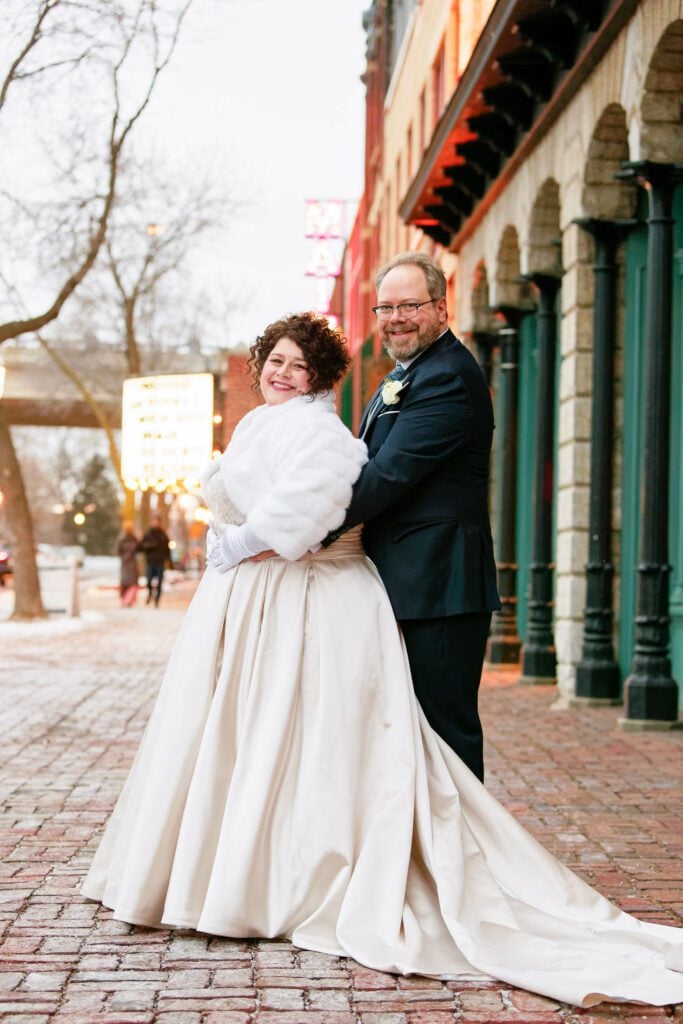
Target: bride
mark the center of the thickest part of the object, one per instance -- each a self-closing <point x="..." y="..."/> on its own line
<point x="288" y="783"/>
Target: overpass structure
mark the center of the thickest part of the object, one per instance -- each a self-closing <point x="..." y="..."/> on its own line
<point x="37" y="392"/>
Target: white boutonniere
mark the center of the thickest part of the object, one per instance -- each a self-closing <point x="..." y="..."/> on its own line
<point x="391" y="391"/>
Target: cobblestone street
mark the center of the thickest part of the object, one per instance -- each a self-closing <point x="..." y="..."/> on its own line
<point x="75" y="697"/>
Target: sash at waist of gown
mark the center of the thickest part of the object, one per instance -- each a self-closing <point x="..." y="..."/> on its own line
<point x="347" y="546"/>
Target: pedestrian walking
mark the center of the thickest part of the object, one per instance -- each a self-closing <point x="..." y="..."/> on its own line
<point x="127" y="550"/>
<point x="156" y="548"/>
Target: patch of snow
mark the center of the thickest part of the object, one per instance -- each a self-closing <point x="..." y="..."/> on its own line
<point x="51" y="627"/>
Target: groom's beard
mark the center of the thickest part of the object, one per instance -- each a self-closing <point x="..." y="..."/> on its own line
<point x="414" y="338"/>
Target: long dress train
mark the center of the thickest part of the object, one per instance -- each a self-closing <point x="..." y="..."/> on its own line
<point x="289" y="785"/>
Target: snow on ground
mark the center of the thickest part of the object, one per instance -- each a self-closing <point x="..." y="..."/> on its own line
<point x="54" y="626"/>
<point x="99" y="572"/>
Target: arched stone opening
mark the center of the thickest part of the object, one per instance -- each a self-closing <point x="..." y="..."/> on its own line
<point x="604" y="196"/>
<point x="480" y="305"/>
<point x="545" y="237"/>
<point x="652" y="429"/>
<point x="508" y="289"/>
<point x="661" y="133"/>
<point x="483" y="331"/>
<point x="508" y="297"/>
<point x="591" y="382"/>
<point x="544" y="270"/>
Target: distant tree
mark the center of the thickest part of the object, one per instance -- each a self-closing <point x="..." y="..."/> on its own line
<point x="46" y="476"/>
<point x="75" y="79"/>
<point x="111" y="51"/>
<point x="142" y="297"/>
<point x="150" y="262"/>
<point x="97" y="499"/>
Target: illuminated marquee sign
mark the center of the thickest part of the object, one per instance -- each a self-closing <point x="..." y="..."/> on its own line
<point x="167" y="430"/>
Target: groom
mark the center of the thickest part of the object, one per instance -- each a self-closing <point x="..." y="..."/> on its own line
<point x="423" y="498"/>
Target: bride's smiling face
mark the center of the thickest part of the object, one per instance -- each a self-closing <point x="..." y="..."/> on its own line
<point x="285" y="373"/>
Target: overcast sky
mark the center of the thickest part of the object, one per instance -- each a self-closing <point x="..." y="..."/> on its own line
<point x="270" y="91"/>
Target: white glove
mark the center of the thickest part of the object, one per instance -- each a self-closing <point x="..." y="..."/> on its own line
<point x="212" y="535"/>
<point x="234" y="545"/>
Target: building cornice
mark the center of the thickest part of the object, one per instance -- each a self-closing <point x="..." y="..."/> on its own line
<point x="530" y="60"/>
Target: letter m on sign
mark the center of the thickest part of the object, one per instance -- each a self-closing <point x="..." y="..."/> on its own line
<point x="324" y="218"/>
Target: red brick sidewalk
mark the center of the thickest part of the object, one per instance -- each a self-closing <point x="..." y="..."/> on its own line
<point x="73" y="706"/>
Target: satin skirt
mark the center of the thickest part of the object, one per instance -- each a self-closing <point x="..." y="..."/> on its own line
<point x="288" y="784"/>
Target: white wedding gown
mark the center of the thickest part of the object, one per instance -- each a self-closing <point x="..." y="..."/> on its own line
<point x="288" y="784"/>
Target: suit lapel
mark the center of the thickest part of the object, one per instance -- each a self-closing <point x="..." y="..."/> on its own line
<point x="372" y="413"/>
<point x="371" y="409"/>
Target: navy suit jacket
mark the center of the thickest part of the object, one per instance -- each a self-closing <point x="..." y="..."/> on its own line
<point x="423" y="493"/>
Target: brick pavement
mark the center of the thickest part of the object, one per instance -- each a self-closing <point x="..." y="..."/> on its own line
<point x="73" y="707"/>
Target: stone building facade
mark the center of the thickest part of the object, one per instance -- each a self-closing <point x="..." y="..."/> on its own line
<point x="537" y="151"/>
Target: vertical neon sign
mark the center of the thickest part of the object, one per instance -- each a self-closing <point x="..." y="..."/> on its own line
<point x="324" y="222"/>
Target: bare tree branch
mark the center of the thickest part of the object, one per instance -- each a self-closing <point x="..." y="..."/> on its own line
<point x="128" y="303"/>
<point x="14" y="71"/>
<point x="117" y="140"/>
<point x="80" y="241"/>
<point x="97" y="408"/>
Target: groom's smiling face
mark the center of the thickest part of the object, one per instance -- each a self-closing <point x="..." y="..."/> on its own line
<point x="405" y="337"/>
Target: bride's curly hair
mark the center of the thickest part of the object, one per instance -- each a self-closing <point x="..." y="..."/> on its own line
<point x="323" y="347"/>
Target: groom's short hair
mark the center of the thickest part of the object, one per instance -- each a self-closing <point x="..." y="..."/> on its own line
<point x="436" y="279"/>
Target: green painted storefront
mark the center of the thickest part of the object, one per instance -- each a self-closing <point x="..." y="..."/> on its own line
<point x="632" y="439"/>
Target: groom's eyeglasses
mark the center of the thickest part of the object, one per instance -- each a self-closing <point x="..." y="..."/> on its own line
<point x="405" y="309"/>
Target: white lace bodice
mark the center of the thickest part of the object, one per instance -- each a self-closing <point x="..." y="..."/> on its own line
<point x="219" y="503"/>
<point x="223" y="511"/>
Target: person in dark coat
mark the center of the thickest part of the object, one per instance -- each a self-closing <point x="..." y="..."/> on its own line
<point x="423" y="498"/>
<point x="156" y="548"/>
<point x="126" y="549"/>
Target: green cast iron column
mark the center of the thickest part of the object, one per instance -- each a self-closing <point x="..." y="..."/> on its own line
<point x="485" y="342"/>
<point x="651" y="692"/>
<point x="597" y="674"/>
<point x="504" y="643"/>
<point x="538" y="651"/>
